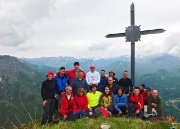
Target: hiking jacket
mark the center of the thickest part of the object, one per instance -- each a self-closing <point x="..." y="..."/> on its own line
<point x="81" y="102"/>
<point x="72" y="74"/>
<point x="67" y="106"/>
<point x="156" y="100"/>
<point x="77" y="83"/>
<point x="144" y="94"/>
<point x="62" y="82"/>
<point x="126" y="84"/>
<point x="114" y="88"/>
<point x="137" y="99"/>
<point x="93" y="98"/>
<point x="120" y="100"/>
<point x="106" y="100"/>
<point x="101" y="85"/>
<point x="48" y="89"/>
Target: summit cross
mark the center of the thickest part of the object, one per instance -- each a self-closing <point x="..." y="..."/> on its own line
<point x="133" y="34"/>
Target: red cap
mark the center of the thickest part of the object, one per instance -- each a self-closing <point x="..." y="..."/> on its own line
<point x="50" y="73"/>
<point x="92" y="66"/>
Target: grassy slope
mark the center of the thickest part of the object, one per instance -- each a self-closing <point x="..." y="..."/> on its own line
<point x="115" y="123"/>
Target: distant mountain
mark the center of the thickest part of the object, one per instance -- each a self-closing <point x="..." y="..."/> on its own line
<point x="144" y="65"/>
<point x="68" y="62"/>
<point x="168" y="84"/>
<point x="19" y="92"/>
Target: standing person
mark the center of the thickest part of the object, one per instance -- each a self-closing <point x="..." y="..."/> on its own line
<point x="154" y="101"/>
<point x="48" y="95"/>
<point x="120" y="101"/>
<point x="79" y="82"/>
<point x="93" y="77"/>
<point x="112" y="74"/>
<point x="106" y="100"/>
<point x="93" y="98"/>
<point x="126" y="83"/>
<point x="136" y="103"/>
<point x="74" y="72"/>
<point x="68" y="107"/>
<point x="113" y="87"/>
<point x="81" y="103"/>
<point x="148" y="90"/>
<point x="62" y="79"/>
<point x="101" y="85"/>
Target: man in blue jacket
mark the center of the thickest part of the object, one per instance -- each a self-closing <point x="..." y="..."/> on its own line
<point x="62" y="81"/>
<point x="79" y="82"/>
<point x="102" y="84"/>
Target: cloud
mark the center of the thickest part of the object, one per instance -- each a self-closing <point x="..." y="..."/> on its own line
<point x="35" y="28"/>
<point x="17" y="18"/>
<point x="100" y="46"/>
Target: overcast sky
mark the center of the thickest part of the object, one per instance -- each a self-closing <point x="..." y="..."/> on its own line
<point x="36" y="28"/>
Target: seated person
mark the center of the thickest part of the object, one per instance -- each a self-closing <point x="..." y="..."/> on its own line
<point x="93" y="98"/>
<point x="136" y="103"/>
<point x="106" y="100"/>
<point x="81" y="103"/>
<point x="120" y="101"/>
<point x="154" y="101"/>
<point x="67" y="105"/>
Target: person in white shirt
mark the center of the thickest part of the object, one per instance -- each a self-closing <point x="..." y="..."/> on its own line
<point x="92" y="77"/>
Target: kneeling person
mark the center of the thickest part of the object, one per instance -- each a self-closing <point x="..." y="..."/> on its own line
<point x="82" y="103"/>
<point x="154" y="101"/>
<point x="136" y="103"/>
<point x="120" y="100"/>
<point x="106" y="101"/>
<point x="93" y="98"/>
<point x="67" y="105"/>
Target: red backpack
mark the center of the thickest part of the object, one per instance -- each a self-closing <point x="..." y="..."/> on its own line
<point x="104" y="112"/>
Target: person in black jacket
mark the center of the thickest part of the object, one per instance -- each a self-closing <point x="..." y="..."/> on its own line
<point x="126" y="83"/>
<point x="112" y="86"/>
<point x="48" y="94"/>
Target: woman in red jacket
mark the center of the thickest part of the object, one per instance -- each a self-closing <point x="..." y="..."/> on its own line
<point x="136" y="104"/>
<point x="82" y="103"/>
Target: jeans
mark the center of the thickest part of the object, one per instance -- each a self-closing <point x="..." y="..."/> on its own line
<point x="121" y="109"/>
<point x="132" y="110"/>
<point x="48" y="111"/>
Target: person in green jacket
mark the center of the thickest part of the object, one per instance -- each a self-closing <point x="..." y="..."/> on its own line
<point x="154" y="101"/>
<point x="93" y="98"/>
<point x="106" y="100"/>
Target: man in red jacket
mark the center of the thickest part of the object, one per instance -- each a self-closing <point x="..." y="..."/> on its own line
<point x="74" y="72"/>
<point x="67" y="105"/>
<point x="136" y="103"/>
<point x="143" y="93"/>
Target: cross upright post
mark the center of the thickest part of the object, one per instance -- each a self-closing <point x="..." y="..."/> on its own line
<point x="133" y="34"/>
<point x="132" y="47"/>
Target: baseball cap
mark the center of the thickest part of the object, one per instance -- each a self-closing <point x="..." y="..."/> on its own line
<point x="92" y="66"/>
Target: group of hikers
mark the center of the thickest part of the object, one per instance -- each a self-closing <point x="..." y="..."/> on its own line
<point x="74" y="94"/>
